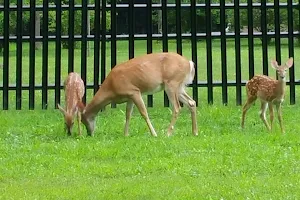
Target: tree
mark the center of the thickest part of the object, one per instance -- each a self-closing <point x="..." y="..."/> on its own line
<point x="157" y="18"/>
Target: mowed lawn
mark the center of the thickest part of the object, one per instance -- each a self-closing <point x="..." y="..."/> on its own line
<point x="39" y="161"/>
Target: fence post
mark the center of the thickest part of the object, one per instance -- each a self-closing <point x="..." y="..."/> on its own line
<point x="237" y="38"/>
<point x="223" y="54"/>
<point x="165" y="39"/>
<point x="131" y="23"/>
<point x="97" y="45"/>
<point x="103" y="40"/>
<point x="210" y="97"/>
<point x="84" y="24"/>
<point x="291" y="51"/>
<point x="178" y="27"/>
<point x="194" y="49"/>
<point x="113" y="38"/>
<point x="6" y="55"/>
<point x="250" y="39"/>
<point x="32" y="55"/>
<point x="264" y="32"/>
<point x="277" y="31"/>
<point x="149" y="42"/>
<point x="57" y="52"/>
<point x="19" y="57"/>
<point x="45" y="56"/>
<point x="71" y="41"/>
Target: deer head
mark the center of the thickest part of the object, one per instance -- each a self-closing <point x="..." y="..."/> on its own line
<point x="69" y="118"/>
<point x="281" y="69"/>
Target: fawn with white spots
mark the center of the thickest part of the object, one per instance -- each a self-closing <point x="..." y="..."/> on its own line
<point x="74" y="91"/>
<point x="146" y="74"/>
<point x="269" y="91"/>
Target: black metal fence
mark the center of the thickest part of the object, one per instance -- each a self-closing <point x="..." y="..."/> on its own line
<point x="101" y="35"/>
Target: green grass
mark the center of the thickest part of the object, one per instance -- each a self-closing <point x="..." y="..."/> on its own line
<point x="39" y="161"/>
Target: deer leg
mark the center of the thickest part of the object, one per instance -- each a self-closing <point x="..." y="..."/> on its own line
<point x="279" y="114"/>
<point x="79" y="121"/>
<point x="173" y="97"/>
<point x="129" y="109"/>
<point x="138" y="101"/>
<point x="246" y="107"/>
<point x="271" y="115"/>
<point x="191" y="104"/>
<point x="263" y="109"/>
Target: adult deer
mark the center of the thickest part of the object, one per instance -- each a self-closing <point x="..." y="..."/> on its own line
<point x="146" y="74"/>
<point x="269" y="91"/>
<point x="74" y="91"/>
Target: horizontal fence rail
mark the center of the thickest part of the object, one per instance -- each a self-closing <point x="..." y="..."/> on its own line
<point x="155" y="6"/>
<point x="105" y="42"/>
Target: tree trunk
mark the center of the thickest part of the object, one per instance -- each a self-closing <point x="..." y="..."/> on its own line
<point x="88" y="32"/>
<point x="159" y="22"/>
<point x="38" y="45"/>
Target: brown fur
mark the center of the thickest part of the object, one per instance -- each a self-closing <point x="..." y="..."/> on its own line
<point x="269" y="91"/>
<point x="74" y="91"/>
<point x="146" y="74"/>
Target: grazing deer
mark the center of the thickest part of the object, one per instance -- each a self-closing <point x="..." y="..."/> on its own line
<point x="74" y="91"/>
<point x="269" y="91"/>
<point x="146" y="74"/>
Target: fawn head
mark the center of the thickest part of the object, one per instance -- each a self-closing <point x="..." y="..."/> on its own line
<point x="69" y="119"/>
<point x="281" y="69"/>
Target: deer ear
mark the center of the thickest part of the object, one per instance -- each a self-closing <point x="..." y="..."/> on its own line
<point x="61" y="109"/>
<point x="274" y="64"/>
<point x="289" y="63"/>
<point x="80" y="106"/>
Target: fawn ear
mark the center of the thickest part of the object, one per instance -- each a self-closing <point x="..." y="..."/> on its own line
<point x="61" y="109"/>
<point x="75" y="109"/>
<point x="274" y="64"/>
<point x="289" y="63"/>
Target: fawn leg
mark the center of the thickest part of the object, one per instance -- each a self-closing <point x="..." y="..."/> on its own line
<point x="271" y="114"/>
<point x="129" y="109"/>
<point x="191" y="104"/>
<point x="249" y="102"/>
<point x="263" y="109"/>
<point x="279" y="114"/>
<point x="138" y="101"/>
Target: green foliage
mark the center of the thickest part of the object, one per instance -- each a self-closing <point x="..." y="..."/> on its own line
<point x="1" y="22"/>
<point x="92" y="20"/>
<point x="171" y="17"/>
<point x="270" y="17"/>
<point x="51" y="21"/>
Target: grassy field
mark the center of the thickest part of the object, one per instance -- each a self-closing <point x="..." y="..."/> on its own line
<point x="39" y="161"/>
